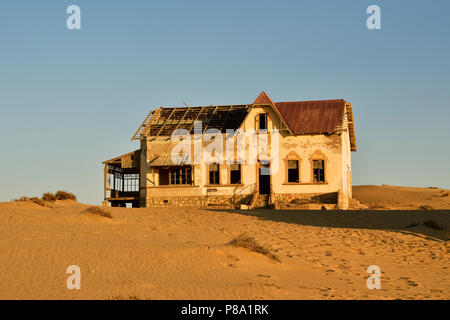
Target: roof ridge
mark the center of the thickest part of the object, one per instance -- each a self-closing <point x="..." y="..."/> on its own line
<point x="309" y="101"/>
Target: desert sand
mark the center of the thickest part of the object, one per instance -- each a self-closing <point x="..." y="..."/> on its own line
<point x="182" y="253"/>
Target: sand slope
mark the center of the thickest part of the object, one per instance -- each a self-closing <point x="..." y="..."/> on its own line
<point x="183" y="254"/>
<point x="393" y="197"/>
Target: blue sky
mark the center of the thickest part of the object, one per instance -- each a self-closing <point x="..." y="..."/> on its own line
<point x="70" y="99"/>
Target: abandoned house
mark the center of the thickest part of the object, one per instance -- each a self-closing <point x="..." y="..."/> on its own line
<point x="311" y="163"/>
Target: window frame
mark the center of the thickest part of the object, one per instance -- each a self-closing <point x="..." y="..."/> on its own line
<point x="297" y="178"/>
<point x="240" y="174"/>
<point x="172" y="171"/>
<point x="258" y="121"/>
<point x="321" y="177"/>
<point x="209" y="174"/>
<point x="318" y="155"/>
<point x="292" y="156"/>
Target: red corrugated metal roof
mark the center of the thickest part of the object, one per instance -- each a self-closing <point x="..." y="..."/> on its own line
<point x="312" y="117"/>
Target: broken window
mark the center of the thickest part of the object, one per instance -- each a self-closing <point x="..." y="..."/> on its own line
<point x="180" y="175"/>
<point x="235" y="173"/>
<point x="163" y="177"/>
<point x="319" y="170"/>
<point x="262" y="121"/>
<point x="214" y="173"/>
<point x="131" y="182"/>
<point x="293" y="172"/>
<point x="175" y="175"/>
<point x="118" y="181"/>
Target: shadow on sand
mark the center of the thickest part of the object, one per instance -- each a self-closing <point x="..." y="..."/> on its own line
<point x="405" y="221"/>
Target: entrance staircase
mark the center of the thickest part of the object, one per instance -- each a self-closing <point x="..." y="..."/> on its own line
<point x="262" y="201"/>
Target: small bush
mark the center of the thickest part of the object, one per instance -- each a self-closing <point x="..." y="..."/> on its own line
<point x="250" y="243"/>
<point x="48" y="197"/>
<point x="64" y="195"/>
<point x="426" y="207"/>
<point x="433" y="225"/>
<point x="445" y="194"/>
<point x="98" y="211"/>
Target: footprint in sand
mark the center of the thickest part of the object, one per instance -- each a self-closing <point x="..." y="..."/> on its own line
<point x="412" y="283"/>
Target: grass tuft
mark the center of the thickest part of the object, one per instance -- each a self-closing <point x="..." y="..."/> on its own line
<point x="38" y="201"/>
<point x="98" y="211"/>
<point x="250" y="243"/>
<point x="35" y="200"/>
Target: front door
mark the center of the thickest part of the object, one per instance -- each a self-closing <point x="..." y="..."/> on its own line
<point x="264" y="179"/>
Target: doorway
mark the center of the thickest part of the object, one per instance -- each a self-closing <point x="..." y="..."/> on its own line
<point x="264" y="178"/>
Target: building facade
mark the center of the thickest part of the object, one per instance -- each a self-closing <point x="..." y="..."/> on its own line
<point x="264" y="154"/>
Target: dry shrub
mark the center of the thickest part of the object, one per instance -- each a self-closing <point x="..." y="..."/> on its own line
<point x="98" y="211"/>
<point x="35" y="200"/>
<point x="64" y="195"/>
<point x="426" y="207"/>
<point x="445" y="194"/>
<point x="433" y="225"/>
<point x="38" y="201"/>
<point x="48" y="196"/>
<point x="250" y="243"/>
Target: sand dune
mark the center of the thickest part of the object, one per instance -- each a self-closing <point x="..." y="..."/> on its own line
<point x="178" y="253"/>
<point x="393" y="197"/>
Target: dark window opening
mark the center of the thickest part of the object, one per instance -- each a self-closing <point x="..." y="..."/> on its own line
<point x="319" y="170"/>
<point x="175" y="175"/>
<point x="262" y="121"/>
<point x="214" y="173"/>
<point x="293" y="172"/>
<point x="235" y="174"/>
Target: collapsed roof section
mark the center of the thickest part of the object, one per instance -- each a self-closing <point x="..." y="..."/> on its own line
<point x="164" y="121"/>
